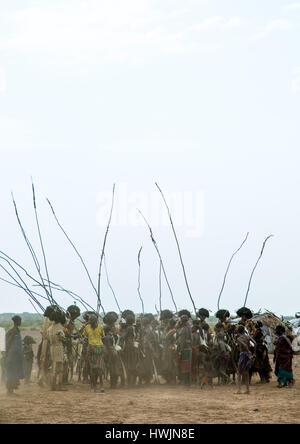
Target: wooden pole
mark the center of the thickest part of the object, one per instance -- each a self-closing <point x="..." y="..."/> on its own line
<point x="227" y="269"/>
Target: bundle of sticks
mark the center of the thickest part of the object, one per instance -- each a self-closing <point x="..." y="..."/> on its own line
<point x="45" y="288"/>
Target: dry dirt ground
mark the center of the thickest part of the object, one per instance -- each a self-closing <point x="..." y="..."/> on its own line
<point x="153" y="405"/>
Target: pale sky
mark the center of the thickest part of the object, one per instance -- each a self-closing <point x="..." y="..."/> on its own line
<point x="201" y="96"/>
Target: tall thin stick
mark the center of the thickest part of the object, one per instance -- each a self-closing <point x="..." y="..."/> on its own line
<point x="31" y="250"/>
<point x="33" y="254"/>
<point x="35" y="307"/>
<point x="178" y="248"/>
<point x="159" y="285"/>
<point x="139" y="279"/>
<point x="261" y="253"/>
<point x="75" y="296"/>
<point x="24" y="287"/>
<point x="110" y="286"/>
<point x="23" y="269"/>
<point x="70" y="241"/>
<point x="43" y="285"/>
<point x="227" y="269"/>
<point x="40" y="237"/>
<point x="161" y="261"/>
<point x="99" y="304"/>
<point x="18" y="285"/>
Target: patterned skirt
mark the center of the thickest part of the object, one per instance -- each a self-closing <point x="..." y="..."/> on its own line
<point x="95" y="356"/>
<point x="185" y="361"/>
<point x="244" y="362"/>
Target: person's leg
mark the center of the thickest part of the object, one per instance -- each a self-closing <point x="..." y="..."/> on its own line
<point x="281" y="378"/>
<point x="129" y="378"/>
<point x="10" y="387"/>
<point x="85" y="371"/>
<point x="101" y="377"/>
<point x="60" y="377"/>
<point x="113" y="380"/>
<point x="79" y="369"/>
<point x="92" y="379"/>
<point x="71" y="366"/>
<point x="96" y="375"/>
<point x="132" y="378"/>
<point x="239" y="381"/>
<point x="122" y="378"/>
<point x="28" y="371"/>
<point x="65" y="372"/>
<point x="188" y="379"/>
<point x="43" y="362"/>
<point x="247" y="382"/>
<point x="53" y="376"/>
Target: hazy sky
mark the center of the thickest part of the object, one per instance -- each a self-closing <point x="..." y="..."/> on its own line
<point x="202" y="97"/>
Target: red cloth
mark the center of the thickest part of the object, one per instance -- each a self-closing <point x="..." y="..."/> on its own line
<point x="284" y="353"/>
<point x="195" y="364"/>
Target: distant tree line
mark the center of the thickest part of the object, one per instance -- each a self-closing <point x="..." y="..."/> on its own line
<point x="29" y="320"/>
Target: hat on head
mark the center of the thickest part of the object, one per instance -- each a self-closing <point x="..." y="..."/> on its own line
<point x="244" y="311"/>
<point x="222" y="315"/>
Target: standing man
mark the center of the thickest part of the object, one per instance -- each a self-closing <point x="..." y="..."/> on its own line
<point x="95" y="354"/>
<point x="169" y="366"/>
<point x="130" y="348"/>
<point x="72" y="313"/>
<point x="244" y="362"/>
<point x="28" y="356"/>
<point x="261" y="363"/>
<point x="195" y="352"/>
<point x="44" y="347"/>
<point x="148" y="349"/>
<point x="113" y="359"/>
<point x="184" y="350"/>
<point x="14" y="357"/>
<point x="283" y="358"/>
<point x="56" y="338"/>
<point x="246" y="315"/>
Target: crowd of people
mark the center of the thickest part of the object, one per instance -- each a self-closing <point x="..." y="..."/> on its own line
<point x="126" y="350"/>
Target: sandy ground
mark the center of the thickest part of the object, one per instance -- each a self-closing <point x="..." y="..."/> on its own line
<point x="153" y="405"/>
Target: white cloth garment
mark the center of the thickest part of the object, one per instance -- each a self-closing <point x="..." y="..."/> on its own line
<point x="2" y="339"/>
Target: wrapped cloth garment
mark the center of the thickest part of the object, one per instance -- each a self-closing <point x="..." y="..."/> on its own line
<point x="195" y="356"/>
<point x="95" y="356"/>
<point x="184" y="348"/>
<point x="261" y="362"/>
<point x="283" y="357"/>
<point x="44" y="332"/>
<point x="44" y="346"/>
<point x="14" y="362"/>
<point x="284" y="377"/>
<point x="284" y="353"/>
<point x="56" y="337"/>
<point x="168" y="365"/>
<point x="130" y="353"/>
<point x="113" y="360"/>
<point x="149" y="347"/>
<point x="185" y="360"/>
<point x="184" y="338"/>
<point x="28" y="359"/>
<point x="244" y="362"/>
